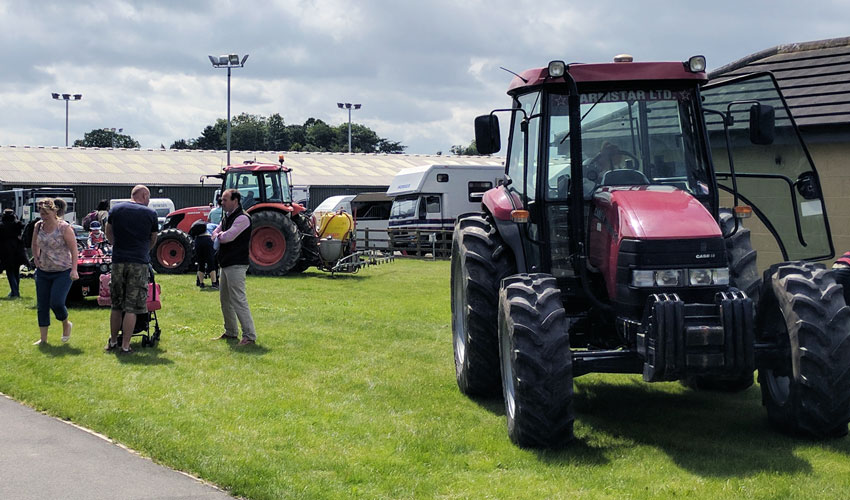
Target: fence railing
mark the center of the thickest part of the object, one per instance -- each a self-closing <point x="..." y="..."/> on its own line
<point x="428" y="243"/>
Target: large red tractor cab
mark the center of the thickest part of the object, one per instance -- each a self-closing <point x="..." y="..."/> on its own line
<point x="277" y="222"/>
<point x="620" y="243"/>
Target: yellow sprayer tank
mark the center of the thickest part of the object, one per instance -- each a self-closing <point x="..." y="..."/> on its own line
<point x="335" y="230"/>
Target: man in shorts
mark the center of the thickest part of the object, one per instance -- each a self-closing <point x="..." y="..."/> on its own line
<point x="131" y="229"/>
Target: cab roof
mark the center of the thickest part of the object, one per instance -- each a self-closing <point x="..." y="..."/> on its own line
<point x="610" y="73"/>
<point x="250" y="166"/>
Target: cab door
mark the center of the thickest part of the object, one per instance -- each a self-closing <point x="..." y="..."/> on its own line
<point x="773" y="170"/>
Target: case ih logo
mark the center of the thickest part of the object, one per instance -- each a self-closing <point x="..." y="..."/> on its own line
<point x="705" y="256"/>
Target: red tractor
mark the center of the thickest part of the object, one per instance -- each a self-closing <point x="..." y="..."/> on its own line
<point x="617" y="244"/>
<point x="278" y="224"/>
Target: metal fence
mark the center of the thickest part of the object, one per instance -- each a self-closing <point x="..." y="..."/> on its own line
<point x="420" y="243"/>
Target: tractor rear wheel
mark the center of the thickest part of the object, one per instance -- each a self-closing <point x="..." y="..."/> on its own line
<point x="804" y="312"/>
<point x="275" y="244"/>
<point x="537" y="371"/>
<point x="743" y="275"/>
<point x="480" y="260"/>
<point x="172" y="253"/>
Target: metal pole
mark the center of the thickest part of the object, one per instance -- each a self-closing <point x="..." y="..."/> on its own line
<point x="228" y="115"/>
<point x="66" y="123"/>
<point x="349" y="129"/>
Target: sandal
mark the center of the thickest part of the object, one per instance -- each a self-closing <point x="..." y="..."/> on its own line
<point x="111" y="345"/>
<point x="125" y="351"/>
<point x="66" y="338"/>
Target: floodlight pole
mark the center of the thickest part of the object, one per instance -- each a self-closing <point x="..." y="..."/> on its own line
<point x="228" y="61"/>
<point x="67" y="99"/>
<point x="348" y="106"/>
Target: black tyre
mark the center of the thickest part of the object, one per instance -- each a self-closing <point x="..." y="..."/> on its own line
<point x="479" y="262"/>
<point x="743" y="275"/>
<point x="275" y="244"/>
<point x="172" y="253"/>
<point x="804" y="312"/>
<point x="743" y="271"/>
<point x="537" y="371"/>
<point x="309" y="245"/>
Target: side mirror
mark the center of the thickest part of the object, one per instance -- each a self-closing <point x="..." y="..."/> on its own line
<point x="807" y="186"/>
<point x="762" y="123"/>
<point x="488" y="140"/>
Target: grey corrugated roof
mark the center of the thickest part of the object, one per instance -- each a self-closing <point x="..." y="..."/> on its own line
<point x="62" y="166"/>
<point x="814" y="77"/>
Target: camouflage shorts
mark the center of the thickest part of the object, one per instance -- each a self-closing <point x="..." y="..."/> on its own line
<point x="129" y="287"/>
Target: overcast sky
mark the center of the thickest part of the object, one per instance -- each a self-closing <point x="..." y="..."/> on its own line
<point x="421" y="70"/>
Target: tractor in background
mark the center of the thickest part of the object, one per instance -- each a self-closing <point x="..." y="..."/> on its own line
<point x="619" y="243"/>
<point x="277" y="222"/>
<point x="285" y="238"/>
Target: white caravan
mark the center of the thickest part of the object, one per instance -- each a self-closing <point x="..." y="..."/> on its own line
<point x="427" y="201"/>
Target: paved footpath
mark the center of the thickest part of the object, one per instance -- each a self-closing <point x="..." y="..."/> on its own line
<point x="44" y="458"/>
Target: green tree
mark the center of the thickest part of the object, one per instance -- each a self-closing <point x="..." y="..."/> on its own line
<point x="182" y="144"/>
<point x="106" y="138"/>
<point x="277" y="136"/>
<point x="258" y="133"/>
<point x="471" y="150"/>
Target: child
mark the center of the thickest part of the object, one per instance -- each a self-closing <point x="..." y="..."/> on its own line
<point x="96" y="236"/>
<point x="204" y="253"/>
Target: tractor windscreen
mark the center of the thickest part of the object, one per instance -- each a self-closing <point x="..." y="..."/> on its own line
<point x="629" y="137"/>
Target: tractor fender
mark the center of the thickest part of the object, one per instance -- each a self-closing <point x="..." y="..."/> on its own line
<point x="184" y="218"/>
<point x="497" y="203"/>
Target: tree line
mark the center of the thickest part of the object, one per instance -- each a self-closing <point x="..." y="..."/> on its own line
<point x="259" y="133"/>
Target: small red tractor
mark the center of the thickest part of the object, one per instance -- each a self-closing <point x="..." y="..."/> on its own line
<point x="617" y="244"/>
<point x="277" y="224"/>
<point x="284" y="234"/>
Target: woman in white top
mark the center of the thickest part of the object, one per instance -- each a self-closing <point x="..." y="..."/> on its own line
<point x="54" y="250"/>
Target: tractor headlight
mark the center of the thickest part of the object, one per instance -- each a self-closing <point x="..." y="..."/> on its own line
<point x="676" y="277"/>
<point x="659" y="277"/>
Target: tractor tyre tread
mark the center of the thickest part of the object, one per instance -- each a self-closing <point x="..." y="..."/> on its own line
<point x="536" y="361"/>
<point x="806" y="307"/>
<point x="479" y="262"/>
<point x="291" y="236"/>
<point x="165" y="236"/>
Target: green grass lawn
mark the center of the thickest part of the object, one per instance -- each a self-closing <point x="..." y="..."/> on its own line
<point x="350" y="393"/>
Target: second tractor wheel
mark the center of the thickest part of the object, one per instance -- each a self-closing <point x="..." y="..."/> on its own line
<point x="172" y="253"/>
<point x="480" y="260"/>
<point x="804" y="313"/>
<point x="275" y="244"/>
<point x="537" y="371"/>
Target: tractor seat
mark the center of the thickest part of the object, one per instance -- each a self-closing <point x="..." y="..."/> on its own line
<point x="624" y="177"/>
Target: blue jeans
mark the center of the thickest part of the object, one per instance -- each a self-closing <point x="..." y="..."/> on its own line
<point x="51" y="290"/>
<point x="13" y="272"/>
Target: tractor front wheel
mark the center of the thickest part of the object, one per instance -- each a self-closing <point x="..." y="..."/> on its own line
<point x="275" y="244"/>
<point x="537" y="371"/>
<point x="480" y="260"/>
<point x="803" y="311"/>
<point x="172" y="253"/>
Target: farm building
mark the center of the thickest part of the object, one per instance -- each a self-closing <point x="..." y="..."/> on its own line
<point x="106" y="173"/>
<point x="815" y="81"/>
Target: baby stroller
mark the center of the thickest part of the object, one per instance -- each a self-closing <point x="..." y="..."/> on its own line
<point x="143" y="321"/>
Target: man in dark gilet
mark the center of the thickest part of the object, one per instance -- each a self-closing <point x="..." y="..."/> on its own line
<point x="234" y="237"/>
